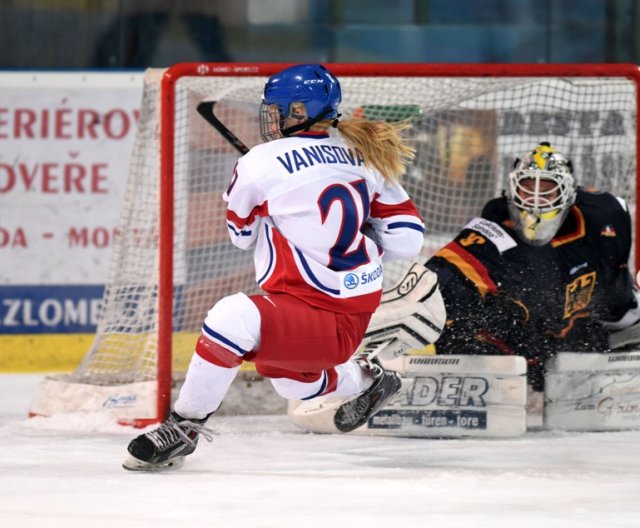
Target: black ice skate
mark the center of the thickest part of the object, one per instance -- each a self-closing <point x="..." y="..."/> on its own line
<point x="356" y="412"/>
<point x="166" y="446"/>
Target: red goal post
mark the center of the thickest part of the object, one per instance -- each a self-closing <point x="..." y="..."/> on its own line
<point x="172" y="260"/>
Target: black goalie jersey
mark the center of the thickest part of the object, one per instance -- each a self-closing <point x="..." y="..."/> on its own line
<point x="506" y="297"/>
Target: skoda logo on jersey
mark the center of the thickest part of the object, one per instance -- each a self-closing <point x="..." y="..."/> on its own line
<point x="351" y="281"/>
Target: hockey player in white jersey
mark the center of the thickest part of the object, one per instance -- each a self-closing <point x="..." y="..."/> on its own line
<point x="304" y="200"/>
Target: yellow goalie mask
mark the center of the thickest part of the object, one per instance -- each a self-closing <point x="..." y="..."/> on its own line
<point x="541" y="191"/>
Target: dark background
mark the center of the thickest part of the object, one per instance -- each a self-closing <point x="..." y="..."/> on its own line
<point x="36" y="34"/>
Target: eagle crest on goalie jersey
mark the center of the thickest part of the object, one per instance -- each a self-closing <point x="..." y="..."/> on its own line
<point x="579" y="293"/>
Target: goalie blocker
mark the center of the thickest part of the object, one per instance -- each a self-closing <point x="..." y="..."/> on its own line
<point x="411" y="315"/>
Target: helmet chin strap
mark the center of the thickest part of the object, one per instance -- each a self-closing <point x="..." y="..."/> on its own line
<point x="306" y="125"/>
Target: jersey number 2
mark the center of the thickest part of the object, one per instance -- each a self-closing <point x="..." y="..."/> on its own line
<point x="340" y="258"/>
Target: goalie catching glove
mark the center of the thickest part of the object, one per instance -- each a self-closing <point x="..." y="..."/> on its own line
<point x="411" y="315"/>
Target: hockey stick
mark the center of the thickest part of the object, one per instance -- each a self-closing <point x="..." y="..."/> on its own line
<point x="205" y="109"/>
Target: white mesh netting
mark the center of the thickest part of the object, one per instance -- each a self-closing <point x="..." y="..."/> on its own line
<point x="467" y="132"/>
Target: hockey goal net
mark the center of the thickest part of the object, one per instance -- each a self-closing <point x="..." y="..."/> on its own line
<point x="172" y="259"/>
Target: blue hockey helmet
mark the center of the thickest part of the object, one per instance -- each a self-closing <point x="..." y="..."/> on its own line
<point x="306" y="93"/>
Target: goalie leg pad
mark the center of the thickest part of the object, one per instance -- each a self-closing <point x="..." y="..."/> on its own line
<point x="593" y="392"/>
<point x="481" y="396"/>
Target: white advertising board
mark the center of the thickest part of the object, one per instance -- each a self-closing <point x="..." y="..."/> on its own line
<point x="65" y="143"/>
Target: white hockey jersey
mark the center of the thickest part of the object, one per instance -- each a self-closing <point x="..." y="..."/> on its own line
<point x="306" y="202"/>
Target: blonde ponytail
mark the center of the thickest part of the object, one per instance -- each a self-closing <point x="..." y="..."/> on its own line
<point x="381" y="144"/>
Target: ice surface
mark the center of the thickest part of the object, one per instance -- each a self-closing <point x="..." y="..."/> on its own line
<point x="262" y="472"/>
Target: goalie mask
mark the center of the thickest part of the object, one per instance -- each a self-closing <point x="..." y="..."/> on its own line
<point x="541" y="191"/>
<point x="297" y="98"/>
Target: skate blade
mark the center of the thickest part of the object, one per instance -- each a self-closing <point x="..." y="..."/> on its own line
<point x="133" y="464"/>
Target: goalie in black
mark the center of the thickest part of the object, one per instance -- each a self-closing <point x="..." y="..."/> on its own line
<point x="544" y="270"/>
